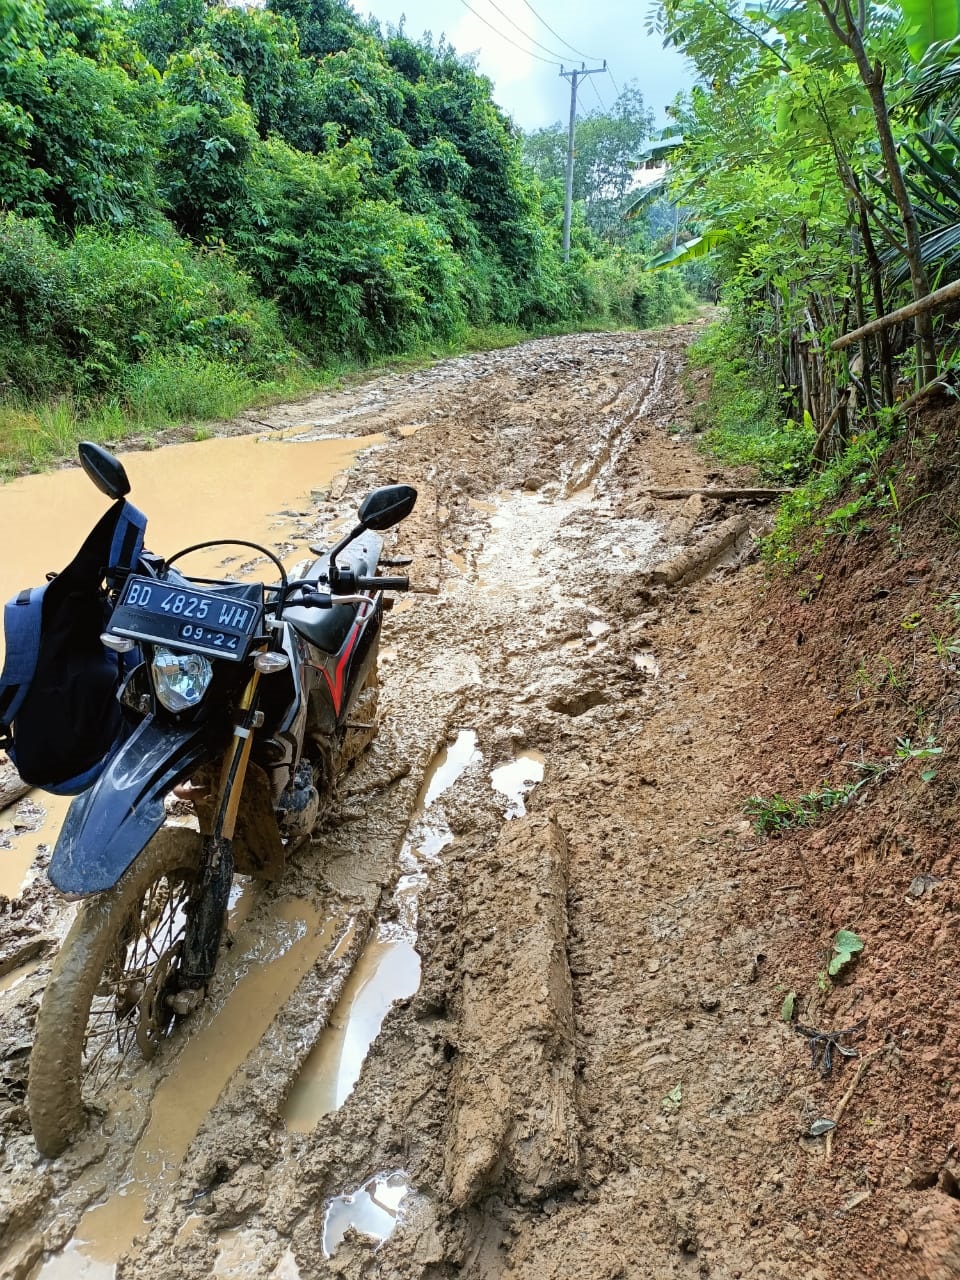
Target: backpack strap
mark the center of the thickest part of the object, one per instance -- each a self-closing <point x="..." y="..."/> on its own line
<point x="23" y="615"/>
<point x="21" y="624"/>
<point x="127" y="542"/>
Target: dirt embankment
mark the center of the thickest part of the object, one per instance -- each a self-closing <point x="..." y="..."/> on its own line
<point x="592" y="1077"/>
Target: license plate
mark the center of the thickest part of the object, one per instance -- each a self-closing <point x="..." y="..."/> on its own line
<point x="202" y="621"/>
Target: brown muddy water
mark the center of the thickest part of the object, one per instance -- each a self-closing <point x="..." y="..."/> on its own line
<point x="388" y="968"/>
<point x="250" y="487"/>
<point x="270" y="964"/>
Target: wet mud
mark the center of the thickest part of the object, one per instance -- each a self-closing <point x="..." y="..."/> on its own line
<point x="504" y="1014"/>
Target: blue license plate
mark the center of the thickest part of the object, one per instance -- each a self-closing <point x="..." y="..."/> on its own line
<point x="221" y="626"/>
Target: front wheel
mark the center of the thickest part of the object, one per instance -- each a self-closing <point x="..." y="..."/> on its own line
<point x="111" y="996"/>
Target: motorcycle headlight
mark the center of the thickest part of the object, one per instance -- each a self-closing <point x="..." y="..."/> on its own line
<point x="180" y="679"/>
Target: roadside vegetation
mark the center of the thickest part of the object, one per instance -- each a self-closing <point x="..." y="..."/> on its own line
<point x="816" y="162"/>
<point x="202" y="204"/>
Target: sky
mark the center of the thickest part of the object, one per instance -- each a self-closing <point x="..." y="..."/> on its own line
<point x="530" y="90"/>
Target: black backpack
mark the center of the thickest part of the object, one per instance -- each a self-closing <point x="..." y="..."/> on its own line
<point x="59" y="715"/>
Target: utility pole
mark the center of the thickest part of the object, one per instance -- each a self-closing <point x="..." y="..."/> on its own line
<point x="574" y="77"/>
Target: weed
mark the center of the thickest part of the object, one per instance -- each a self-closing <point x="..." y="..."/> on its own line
<point x="845" y="946"/>
<point x="890" y="496"/>
<point x="906" y="750"/>
<point x="846" y="521"/>
<point x="775" y="814"/>
<point x="741" y="415"/>
<point x="896" y="678"/>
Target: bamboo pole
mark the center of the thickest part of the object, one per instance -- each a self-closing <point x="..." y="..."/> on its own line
<point x="949" y="293"/>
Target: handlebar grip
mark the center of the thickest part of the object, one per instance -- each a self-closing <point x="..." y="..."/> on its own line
<point x="398" y="583"/>
<point x="320" y="599"/>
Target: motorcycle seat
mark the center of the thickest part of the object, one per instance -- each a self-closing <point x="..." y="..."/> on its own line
<point x="327" y="629"/>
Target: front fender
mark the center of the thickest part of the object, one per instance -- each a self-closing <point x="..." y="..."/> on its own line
<point x="108" y="825"/>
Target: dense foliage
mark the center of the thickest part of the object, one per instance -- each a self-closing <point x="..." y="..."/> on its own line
<point x="203" y="183"/>
<point x="819" y="158"/>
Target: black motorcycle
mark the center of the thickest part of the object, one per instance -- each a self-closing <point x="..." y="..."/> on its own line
<point x="244" y="702"/>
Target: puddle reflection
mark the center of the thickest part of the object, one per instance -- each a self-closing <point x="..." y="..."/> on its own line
<point x="516" y="779"/>
<point x="267" y="973"/>
<point x="388" y="969"/>
<point x="372" y="1209"/>
<point x="452" y="761"/>
<point x="646" y="661"/>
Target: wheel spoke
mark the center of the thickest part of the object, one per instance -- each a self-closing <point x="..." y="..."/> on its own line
<point x="142" y="954"/>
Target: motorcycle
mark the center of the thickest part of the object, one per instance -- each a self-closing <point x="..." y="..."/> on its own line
<point x="243" y="701"/>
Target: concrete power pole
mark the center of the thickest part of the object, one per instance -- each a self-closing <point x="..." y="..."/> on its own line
<point x="574" y="77"/>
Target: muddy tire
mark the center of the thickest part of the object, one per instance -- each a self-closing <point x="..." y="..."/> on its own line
<point x="103" y="1010"/>
<point x="364" y="722"/>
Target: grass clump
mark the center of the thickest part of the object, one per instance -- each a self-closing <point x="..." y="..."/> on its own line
<point x="741" y="416"/>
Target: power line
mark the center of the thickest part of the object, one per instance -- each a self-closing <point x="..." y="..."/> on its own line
<point x="496" y="31"/>
<point x="596" y="91"/>
<point x="589" y="56"/>
<point x="615" y="85"/>
<point x="526" y="35"/>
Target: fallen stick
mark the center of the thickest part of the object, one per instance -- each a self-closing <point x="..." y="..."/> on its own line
<point x="929" y="302"/>
<point x="724" y="495"/>
<point x="842" y="1105"/>
<point x="935" y="384"/>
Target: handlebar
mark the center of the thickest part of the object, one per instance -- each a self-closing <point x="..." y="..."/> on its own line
<point x="400" y="582"/>
<point x="326" y="599"/>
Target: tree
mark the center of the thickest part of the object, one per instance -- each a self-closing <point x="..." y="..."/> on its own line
<point x="607" y="146"/>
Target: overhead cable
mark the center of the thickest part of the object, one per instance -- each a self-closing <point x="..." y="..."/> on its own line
<point x="589" y="56"/>
<point x="526" y="35"/>
<point x="603" y="105"/>
<point x="549" y="61"/>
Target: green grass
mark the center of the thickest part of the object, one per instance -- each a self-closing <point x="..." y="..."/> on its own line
<point x="741" y="417"/>
<point x="151" y="398"/>
<point x="172" y="391"/>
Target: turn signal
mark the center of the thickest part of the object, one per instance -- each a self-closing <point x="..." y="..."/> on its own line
<point x="119" y="644"/>
<point x="269" y="663"/>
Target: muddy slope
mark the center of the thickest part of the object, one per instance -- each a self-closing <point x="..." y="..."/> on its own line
<point x="585" y="1072"/>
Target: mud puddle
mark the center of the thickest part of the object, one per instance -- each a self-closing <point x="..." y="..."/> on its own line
<point x="270" y="960"/>
<point x="388" y="969"/>
<point x="517" y="779"/>
<point x="373" y="1210"/>
<point x="219" y="488"/>
<point x="36" y="824"/>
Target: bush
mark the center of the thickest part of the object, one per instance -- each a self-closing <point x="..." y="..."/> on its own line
<point x="742" y="414"/>
<point x="80" y="313"/>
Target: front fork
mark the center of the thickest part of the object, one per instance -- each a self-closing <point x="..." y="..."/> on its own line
<point x="208" y="910"/>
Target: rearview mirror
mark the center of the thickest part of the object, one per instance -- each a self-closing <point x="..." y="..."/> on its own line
<point x="386" y="507"/>
<point x="106" y="471"/>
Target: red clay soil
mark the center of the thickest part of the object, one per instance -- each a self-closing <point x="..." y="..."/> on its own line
<point x="857" y="659"/>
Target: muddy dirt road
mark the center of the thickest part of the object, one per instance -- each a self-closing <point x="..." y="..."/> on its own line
<point x="508" y="1014"/>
